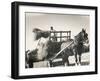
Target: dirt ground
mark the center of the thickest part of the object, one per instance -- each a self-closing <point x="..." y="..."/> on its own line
<point x="85" y="60"/>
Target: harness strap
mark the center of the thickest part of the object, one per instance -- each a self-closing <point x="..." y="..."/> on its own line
<point x="62" y="50"/>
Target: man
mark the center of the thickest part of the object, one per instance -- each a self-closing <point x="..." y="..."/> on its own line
<point x="54" y="37"/>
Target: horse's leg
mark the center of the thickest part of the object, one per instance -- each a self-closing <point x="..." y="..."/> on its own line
<point x="67" y="61"/>
<point x="31" y="65"/>
<point x="50" y="62"/>
<point x="80" y="59"/>
<point x="30" y="62"/>
<point x="76" y="59"/>
<point x="63" y="58"/>
<point x="64" y="61"/>
<point x="79" y="53"/>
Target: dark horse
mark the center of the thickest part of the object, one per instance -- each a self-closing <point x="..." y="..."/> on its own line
<point x="75" y="48"/>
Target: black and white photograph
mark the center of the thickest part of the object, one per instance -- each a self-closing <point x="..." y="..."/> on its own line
<point x="51" y="40"/>
<point x="56" y="40"/>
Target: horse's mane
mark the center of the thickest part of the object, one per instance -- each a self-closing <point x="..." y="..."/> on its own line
<point x="40" y="33"/>
<point x="79" y="38"/>
<point x="36" y="30"/>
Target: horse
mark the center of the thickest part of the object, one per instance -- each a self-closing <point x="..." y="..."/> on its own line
<point x="75" y="48"/>
<point x="40" y="52"/>
<point x="45" y="48"/>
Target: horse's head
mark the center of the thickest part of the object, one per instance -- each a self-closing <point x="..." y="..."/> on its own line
<point x="84" y="36"/>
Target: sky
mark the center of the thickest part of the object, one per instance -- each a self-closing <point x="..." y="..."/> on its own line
<point x="60" y="22"/>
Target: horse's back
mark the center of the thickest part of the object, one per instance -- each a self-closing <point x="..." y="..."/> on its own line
<point x="66" y="43"/>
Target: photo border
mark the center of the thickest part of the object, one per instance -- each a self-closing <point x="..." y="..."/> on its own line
<point x="15" y="39"/>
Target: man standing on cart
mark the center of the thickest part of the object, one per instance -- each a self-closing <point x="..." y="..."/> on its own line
<point x="54" y="35"/>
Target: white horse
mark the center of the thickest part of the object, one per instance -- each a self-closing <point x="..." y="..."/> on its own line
<point x="40" y="52"/>
<point x="42" y="48"/>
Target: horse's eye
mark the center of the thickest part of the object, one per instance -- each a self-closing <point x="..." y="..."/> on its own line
<point x="86" y="35"/>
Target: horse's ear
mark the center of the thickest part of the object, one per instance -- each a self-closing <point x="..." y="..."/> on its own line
<point x="83" y="30"/>
<point x="86" y="34"/>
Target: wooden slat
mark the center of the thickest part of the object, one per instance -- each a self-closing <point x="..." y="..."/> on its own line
<point x="60" y="36"/>
<point x="68" y="34"/>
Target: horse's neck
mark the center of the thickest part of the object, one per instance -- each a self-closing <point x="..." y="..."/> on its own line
<point x="42" y="42"/>
<point x="42" y="48"/>
<point x="77" y="39"/>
